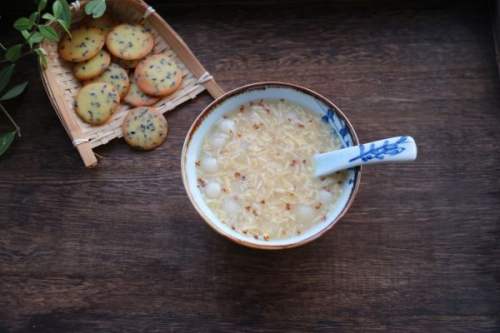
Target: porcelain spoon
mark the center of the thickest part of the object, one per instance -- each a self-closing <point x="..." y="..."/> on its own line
<point x="395" y="149"/>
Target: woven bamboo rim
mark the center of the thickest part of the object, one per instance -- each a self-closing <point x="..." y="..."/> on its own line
<point x="61" y="86"/>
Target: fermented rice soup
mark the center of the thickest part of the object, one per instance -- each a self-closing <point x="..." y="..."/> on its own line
<point x="255" y="169"/>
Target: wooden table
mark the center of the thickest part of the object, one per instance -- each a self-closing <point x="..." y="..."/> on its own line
<point x="120" y="248"/>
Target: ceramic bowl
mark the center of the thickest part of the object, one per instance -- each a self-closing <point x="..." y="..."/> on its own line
<point x="230" y="101"/>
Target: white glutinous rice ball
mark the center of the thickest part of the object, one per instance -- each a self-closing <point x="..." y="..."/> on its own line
<point x="218" y="140"/>
<point x="212" y="190"/>
<point x="230" y="206"/>
<point x="325" y="197"/>
<point x="293" y="116"/>
<point x="227" y="126"/>
<point x="209" y="164"/>
<point x="304" y="213"/>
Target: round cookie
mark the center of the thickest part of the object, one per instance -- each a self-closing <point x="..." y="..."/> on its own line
<point x="93" y="67"/>
<point x="158" y="75"/>
<point x="83" y="44"/>
<point x="118" y="77"/>
<point x="130" y="42"/>
<point x="144" y="128"/>
<point x="96" y="102"/>
<point x="105" y="23"/>
<point x="136" y="97"/>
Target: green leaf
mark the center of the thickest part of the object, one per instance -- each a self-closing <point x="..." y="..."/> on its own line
<point x="96" y="8"/>
<point x="14" y="91"/>
<point x="42" y="57"/>
<point x="66" y="12"/>
<point x="23" y="23"/>
<point x="63" y="25"/>
<point x="57" y="9"/>
<point x="13" y="52"/>
<point x="35" y="38"/>
<point x="34" y="16"/>
<point x="49" y="17"/>
<point x="49" y="33"/>
<point x="41" y="5"/>
<point x="26" y="34"/>
<point x="5" y="76"/>
<point x="6" y="140"/>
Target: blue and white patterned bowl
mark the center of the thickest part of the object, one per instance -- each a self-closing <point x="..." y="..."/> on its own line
<point x="230" y="101"/>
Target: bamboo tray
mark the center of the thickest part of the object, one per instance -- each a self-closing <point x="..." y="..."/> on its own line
<point x="61" y="86"/>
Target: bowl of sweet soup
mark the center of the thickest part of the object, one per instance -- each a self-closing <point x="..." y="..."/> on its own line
<point x="247" y="165"/>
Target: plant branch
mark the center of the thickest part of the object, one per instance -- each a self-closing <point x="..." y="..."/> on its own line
<point x="3" y="47"/>
<point x="21" y="56"/>
<point x="18" y="129"/>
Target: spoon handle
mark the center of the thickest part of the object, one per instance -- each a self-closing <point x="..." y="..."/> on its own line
<point x="395" y="149"/>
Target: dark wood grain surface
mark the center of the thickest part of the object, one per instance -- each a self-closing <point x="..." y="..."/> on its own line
<point x="120" y="248"/>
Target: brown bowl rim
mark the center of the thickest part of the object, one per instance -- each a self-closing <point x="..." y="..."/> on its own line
<point x="255" y="86"/>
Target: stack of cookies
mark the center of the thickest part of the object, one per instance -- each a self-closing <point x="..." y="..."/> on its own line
<point x="115" y="64"/>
